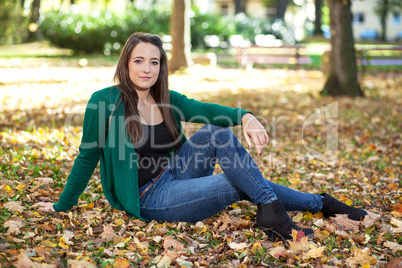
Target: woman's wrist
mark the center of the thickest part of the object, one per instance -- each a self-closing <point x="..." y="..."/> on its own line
<point x="246" y="117"/>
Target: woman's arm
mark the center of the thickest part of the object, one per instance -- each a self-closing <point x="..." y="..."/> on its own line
<point x="190" y="110"/>
<point x="94" y="134"/>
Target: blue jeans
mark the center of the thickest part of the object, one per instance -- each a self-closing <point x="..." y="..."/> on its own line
<point x="187" y="190"/>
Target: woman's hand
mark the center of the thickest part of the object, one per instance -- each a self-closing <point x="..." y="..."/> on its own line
<point x="252" y="129"/>
<point x="44" y="206"/>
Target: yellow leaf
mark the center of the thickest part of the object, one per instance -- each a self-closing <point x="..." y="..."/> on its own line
<point x="121" y="263"/>
<point x="295" y="181"/>
<point x="203" y="229"/>
<point x="49" y="244"/>
<point x="118" y="221"/>
<point x="308" y="216"/>
<point x="349" y="202"/>
<point x="37" y="259"/>
<point x="9" y="191"/>
<point x="366" y="266"/>
<point x="298" y="217"/>
<point x="36" y="214"/>
<point x="256" y="248"/>
<point x="62" y="243"/>
<point x="20" y="187"/>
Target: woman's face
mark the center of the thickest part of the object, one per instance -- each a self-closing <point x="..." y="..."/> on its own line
<point x="144" y="66"/>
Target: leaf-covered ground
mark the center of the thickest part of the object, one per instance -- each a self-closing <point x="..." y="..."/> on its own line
<point x="42" y="101"/>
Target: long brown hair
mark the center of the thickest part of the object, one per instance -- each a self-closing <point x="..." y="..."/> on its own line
<point x="159" y="91"/>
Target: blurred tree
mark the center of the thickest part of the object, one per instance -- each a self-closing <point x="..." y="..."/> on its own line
<point x="181" y="35"/>
<point x="35" y="14"/>
<point x="318" y="15"/>
<point x="240" y="6"/>
<point x="281" y="6"/>
<point x="342" y="78"/>
<point x="383" y="8"/>
<point x="13" y="22"/>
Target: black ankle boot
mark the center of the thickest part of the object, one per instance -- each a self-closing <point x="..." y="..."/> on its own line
<point x="332" y="206"/>
<point x="273" y="219"/>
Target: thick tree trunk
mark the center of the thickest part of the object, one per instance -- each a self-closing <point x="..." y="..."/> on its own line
<point x="33" y="35"/>
<point x="343" y="70"/>
<point x="281" y="6"/>
<point x="384" y="14"/>
<point x="240" y="6"/>
<point x="180" y="32"/>
<point x="318" y="14"/>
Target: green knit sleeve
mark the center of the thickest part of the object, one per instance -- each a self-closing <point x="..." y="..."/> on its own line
<point x="93" y="138"/>
<point x="190" y="110"/>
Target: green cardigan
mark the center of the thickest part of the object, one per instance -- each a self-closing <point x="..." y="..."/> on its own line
<point x="104" y="138"/>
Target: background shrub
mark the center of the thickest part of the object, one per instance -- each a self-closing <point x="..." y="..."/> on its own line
<point x="13" y="23"/>
<point x="106" y="32"/>
<point x="100" y="31"/>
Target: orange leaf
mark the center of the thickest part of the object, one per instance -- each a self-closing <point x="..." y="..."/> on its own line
<point x="121" y="263"/>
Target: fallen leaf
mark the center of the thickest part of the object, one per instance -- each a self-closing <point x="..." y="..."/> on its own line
<point x="360" y="257"/>
<point x="396" y="222"/>
<point x="14" y="206"/>
<point x="68" y="235"/>
<point x="299" y="244"/>
<point x="14" y="227"/>
<point x="238" y="246"/>
<point x="62" y="243"/>
<point x="394" y="263"/>
<point x="370" y="219"/>
<point x="164" y="262"/>
<point x="277" y="252"/>
<point x="314" y="253"/>
<point x="169" y="242"/>
<point x="298" y="217"/>
<point x="121" y="263"/>
<point x="344" y="223"/>
<point x="342" y="234"/>
<point x="319" y="223"/>
<point x="108" y="233"/>
<point x="361" y="238"/>
<point x="393" y="246"/>
<point x="48" y="244"/>
<point x="25" y="262"/>
<point x="79" y="264"/>
<point x="46" y="226"/>
<point x="44" y="180"/>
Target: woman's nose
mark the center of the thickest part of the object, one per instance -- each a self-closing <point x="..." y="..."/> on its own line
<point x="147" y="69"/>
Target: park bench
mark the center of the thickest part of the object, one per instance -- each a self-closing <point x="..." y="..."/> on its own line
<point x="380" y="56"/>
<point x="295" y="55"/>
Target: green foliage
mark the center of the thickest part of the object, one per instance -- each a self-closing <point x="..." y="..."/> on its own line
<point x="100" y="31"/>
<point x="13" y="22"/>
<point x="225" y="26"/>
<point x="106" y="32"/>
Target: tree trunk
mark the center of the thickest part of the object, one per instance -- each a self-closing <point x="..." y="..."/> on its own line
<point x="384" y="14"/>
<point x="34" y="19"/>
<point x="343" y="70"/>
<point x="180" y="32"/>
<point x="318" y="14"/>
<point x="240" y="6"/>
<point x="281" y="6"/>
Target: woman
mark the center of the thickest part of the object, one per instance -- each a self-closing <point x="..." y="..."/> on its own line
<point x="151" y="171"/>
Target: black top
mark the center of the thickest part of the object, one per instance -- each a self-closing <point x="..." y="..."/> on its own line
<point x="152" y="152"/>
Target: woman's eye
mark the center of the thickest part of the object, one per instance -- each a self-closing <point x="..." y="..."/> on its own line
<point x="137" y="61"/>
<point x="155" y="63"/>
